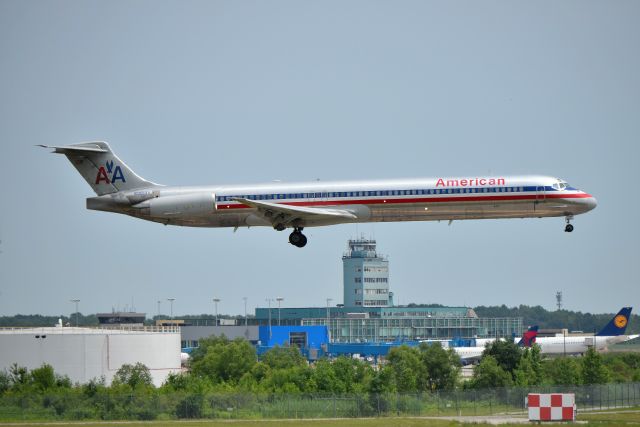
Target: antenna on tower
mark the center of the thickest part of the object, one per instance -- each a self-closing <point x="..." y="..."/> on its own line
<point x="559" y="300"/>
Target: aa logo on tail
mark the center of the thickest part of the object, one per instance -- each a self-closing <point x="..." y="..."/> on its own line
<point x="104" y="174"/>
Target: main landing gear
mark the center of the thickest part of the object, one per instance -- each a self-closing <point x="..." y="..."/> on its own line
<point x="569" y="228"/>
<point x="296" y="238"/>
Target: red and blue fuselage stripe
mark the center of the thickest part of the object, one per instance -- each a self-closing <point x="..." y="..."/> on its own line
<point x="407" y="196"/>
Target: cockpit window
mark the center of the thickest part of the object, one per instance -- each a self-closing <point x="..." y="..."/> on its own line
<point x="560" y="185"/>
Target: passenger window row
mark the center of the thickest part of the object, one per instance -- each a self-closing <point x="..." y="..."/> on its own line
<point x="379" y="193"/>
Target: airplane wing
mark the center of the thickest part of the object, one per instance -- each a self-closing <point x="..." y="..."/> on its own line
<point x="277" y="213"/>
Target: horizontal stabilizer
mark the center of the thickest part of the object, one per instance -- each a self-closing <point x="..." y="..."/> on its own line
<point x="62" y="149"/>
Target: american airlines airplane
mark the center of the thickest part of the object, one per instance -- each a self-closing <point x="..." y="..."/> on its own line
<point x="311" y="204"/>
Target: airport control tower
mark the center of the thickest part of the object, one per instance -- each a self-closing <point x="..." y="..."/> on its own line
<point x="366" y="276"/>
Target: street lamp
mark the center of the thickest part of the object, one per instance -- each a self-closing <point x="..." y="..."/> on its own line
<point x="159" y="308"/>
<point x="215" y="303"/>
<point x="269" y="301"/>
<point x="329" y="314"/>
<point x="171" y="300"/>
<point x="279" y="299"/>
<point x="245" y="310"/>
<point x="76" y="301"/>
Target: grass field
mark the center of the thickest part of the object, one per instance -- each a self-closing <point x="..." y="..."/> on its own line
<point x="357" y="422"/>
<point x="612" y="418"/>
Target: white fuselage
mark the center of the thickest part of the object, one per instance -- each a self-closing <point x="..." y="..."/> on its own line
<point x="469" y="354"/>
<point x="569" y="345"/>
<point x="367" y="201"/>
<point x="578" y="344"/>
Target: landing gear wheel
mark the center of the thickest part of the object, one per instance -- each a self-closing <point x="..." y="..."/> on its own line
<point x="296" y="238"/>
<point x="568" y="228"/>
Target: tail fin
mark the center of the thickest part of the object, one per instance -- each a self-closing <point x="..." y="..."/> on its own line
<point x="618" y="324"/>
<point x="101" y="168"/>
<point x="529" y="337"/>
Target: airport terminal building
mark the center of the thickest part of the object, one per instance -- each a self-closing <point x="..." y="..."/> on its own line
<point x="369" y="315"/>
<point x="385" y="324"/>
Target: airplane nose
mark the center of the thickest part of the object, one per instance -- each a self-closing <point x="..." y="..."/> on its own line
<point x="590" y="203"/>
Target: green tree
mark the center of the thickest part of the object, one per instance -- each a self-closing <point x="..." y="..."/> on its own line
<point x="529" y="370"/>
<point x="442" y="367"/>
<point x="324" y="378"/>
<point x="290" y="380"/>
<point x="94" y="387"/>
<point x="204" y="344"/>
<point x="563" y="371"/>
<point x="176" y="381"/>
<point x="18" y="376"/>
<point x="623" y="367"/>
<point x="259" y="371"/>
<point x="383" y="381"/>
<point x="283" y="358"/>
<point x="593" y="369"/>
<point x="224" y="360"/>
<point x="489" y="374"/>
<point x="5" y="381"/>
<point x="408" y="369"/>
<point x="43" y="377"/>
<point x="134" y="376"/>
<point x="353" y="374"/>
<point x="506" y="353"/>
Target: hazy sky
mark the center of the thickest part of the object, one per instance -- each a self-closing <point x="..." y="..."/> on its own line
<point x="216" y="92"/>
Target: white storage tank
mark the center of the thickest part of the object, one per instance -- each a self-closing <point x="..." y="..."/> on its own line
<point x="83" y="354"/>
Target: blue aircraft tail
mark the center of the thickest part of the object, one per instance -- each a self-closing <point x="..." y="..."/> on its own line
<point x="529" y="337"/>
<point x="617" y="325"/>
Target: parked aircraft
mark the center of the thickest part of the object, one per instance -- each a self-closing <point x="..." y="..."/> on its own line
<point x="474" y="354"/>
<point x="612" y="333"/>
<point x="299" y="205"/>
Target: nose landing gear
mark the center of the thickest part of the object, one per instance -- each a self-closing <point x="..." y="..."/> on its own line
<point x="569" y="228"/>
<point x="296" y="238"/>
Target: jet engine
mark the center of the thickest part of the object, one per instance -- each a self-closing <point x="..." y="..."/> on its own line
<point x="179" y="205"/>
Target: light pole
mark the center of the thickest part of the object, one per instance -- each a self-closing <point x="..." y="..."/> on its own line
<point x="215" y="303"/>
<point x="328" y="314"/>
<point x="279" y="299"/>
<point x="245" y="311"/>
<point x="269" y="301"/>
<point x="76" y="301"/>
<point x="159" y="308"/>
<point x="171" y="300"/>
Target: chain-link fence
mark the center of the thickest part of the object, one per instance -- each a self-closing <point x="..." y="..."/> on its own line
<point x="149" y="404"/>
